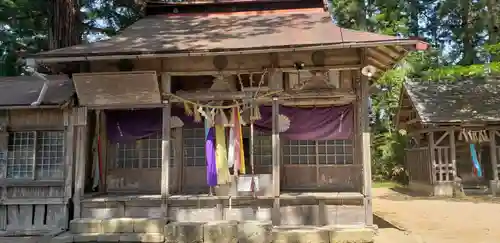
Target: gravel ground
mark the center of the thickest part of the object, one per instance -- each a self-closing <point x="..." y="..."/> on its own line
<point x="410" y="219"/>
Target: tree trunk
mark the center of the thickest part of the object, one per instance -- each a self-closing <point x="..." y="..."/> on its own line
<point x="468" y="34"/>
<point x="493" y="25"/>
<point x="64" y="24"/>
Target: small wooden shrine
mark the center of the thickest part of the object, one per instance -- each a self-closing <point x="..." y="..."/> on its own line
<point x="186" y="97"/>
<point x="35" y="166"/>
<point x="453" y="134"/>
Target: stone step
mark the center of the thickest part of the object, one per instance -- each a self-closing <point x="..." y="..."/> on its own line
<point x="108" y="238"/>
<point x="323" y="234"/>
<point x="117" y="225"/>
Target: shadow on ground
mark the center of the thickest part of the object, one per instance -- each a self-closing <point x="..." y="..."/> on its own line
<point x="383" y="224"/>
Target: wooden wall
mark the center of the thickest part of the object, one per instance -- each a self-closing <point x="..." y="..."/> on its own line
<point x="183" y="178"/>
<point x="35" y="188"/>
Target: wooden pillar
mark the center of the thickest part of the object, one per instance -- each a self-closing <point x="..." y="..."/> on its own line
<point x="365" y="144"/>
<point x="80" y="150"/>
<point x="165" y="147"/>
<point x="69" y="158"/>
<point x="276" y="214"/>
<point x="432" y="154"/>
<point x="453" y="155"/>
<point x="494" y="162"/>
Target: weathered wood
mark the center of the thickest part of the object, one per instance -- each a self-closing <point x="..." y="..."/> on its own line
<point x="3" y="217"/>
<point x="365" y="144"/>
<point x="39" y="119"/>
<point x="68" y="164"/>
<point x="494" y="160"/>
<point x="117" y="88"/>
<point x="80" y="123"/>
<point x="432" y="149"/>
<point x="276" y="161"/>
<point x="178" y="158"/>
<point x="453" y="152"/>
<point x="286" y="60"/>
<point x="4" y="143"/>
<point x="165" y="156"/>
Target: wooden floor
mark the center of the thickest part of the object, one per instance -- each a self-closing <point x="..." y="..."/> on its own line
<point x="123" y="197"/>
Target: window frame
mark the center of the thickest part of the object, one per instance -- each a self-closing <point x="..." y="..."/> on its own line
<point x="320" y="155"/>
<point x="142" y="146"/>
<point x="37" y="158"/>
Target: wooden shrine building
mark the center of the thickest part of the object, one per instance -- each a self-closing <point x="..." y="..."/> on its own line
<point x="448" y="125"/>
<point x="35" y="154"/>
<point x="294" y="75"/>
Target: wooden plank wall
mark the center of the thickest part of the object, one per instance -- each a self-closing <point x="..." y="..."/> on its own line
<point x="27" y="205"/>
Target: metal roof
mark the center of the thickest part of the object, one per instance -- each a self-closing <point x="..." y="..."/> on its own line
<point x="24" y="90"/>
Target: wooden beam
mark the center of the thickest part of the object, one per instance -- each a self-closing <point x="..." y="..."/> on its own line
<point x="69" y="148"/>
<point x="80" y="123"/>
<point x="453" y="151"/>
<point x="494" y="161"/>
<point x="165" y="149"/>
<point x="365" y="144"/>
<point x="337" y="67"/>
<point x="276" y="214"/>
<point x="432" y="152"/>
<point x="442" y="137"/>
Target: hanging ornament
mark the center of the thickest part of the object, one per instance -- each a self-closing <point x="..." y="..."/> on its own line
<point x="256" y="114"/>
<point x="187" y="109"/>
<point x="283" y="123"/>
<point x="176" y="122"/>
<point x="197" y="116"/>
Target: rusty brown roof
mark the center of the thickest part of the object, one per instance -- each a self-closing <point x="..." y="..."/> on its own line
<point x="472" y="100"/>
<point x="24" y="90"/>
<point x="225" y="32"/>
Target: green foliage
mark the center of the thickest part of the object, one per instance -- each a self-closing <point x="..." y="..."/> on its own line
<point x="24" y="25"/>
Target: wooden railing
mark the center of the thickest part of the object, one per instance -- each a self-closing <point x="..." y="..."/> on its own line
<point x="443" y="166"/>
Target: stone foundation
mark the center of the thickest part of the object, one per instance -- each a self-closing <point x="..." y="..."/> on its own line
<point x="157" y="231"/>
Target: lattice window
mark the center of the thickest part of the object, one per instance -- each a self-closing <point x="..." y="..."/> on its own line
<point x="194" y="146"/>
<point x="263" y="149"/>
<point x="144" y="153"/>
<point x="335" y="152"/>
<point x="38" y="155"/>
<point x="309" y="152"/>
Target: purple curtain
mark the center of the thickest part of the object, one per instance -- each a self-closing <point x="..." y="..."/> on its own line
<point x="311" y="123"/>
<point x="305" y="123"/>
<point x="129" y="125"/>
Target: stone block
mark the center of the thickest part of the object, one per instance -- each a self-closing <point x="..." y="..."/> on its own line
<point x="118" y="225"/>
<point x="300" y="235"/>
<point x="149" y="225"/>
<point x="86" y="237"/>
<point x="184" y="232"/>
<point x="254" y="232"/>
<point x="83" y="226"/>
<point x="220" y="232"/>
<point x="352" y="235"/>
<point x="63" y="238"/>
<point x="108" y="238"/>
<point x="152" y="238"/>
<point x="142" y="238"/>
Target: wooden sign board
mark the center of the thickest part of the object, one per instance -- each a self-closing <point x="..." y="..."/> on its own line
<point x="118" y="88"/>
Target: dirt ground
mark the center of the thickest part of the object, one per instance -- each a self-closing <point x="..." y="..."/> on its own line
<point x="409" y="219"/>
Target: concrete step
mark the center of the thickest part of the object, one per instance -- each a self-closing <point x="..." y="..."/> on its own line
<point x="108" y="238"/>
<point x="117" y="225"/>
